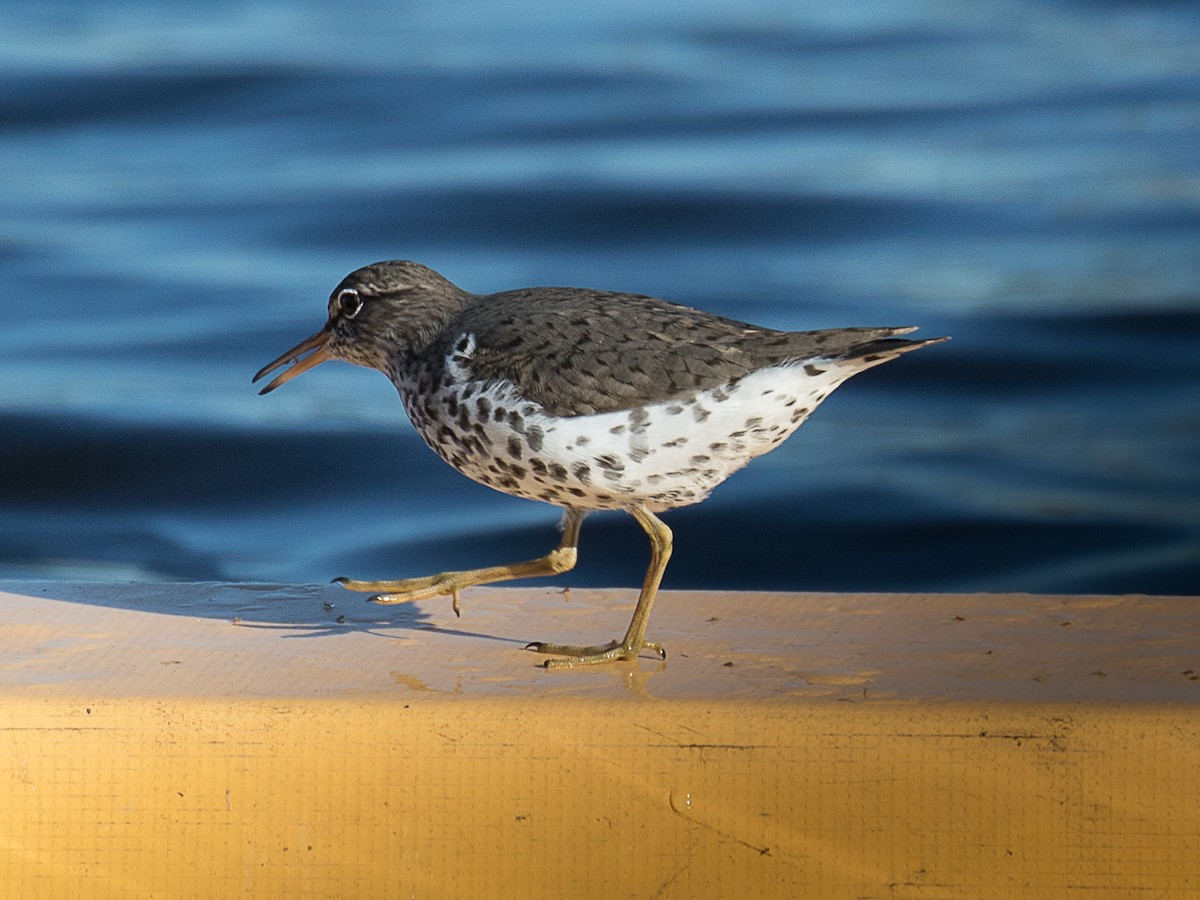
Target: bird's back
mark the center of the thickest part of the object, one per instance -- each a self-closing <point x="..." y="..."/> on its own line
<point x="580" y="352"/>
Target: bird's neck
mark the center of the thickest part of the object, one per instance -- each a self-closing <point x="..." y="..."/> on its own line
<point x="422" y="326"/>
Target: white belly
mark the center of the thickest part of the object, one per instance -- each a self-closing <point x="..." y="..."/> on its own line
<point x="664" y="455"/>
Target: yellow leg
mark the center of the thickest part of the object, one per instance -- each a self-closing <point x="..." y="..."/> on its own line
<point x="560" y="559"/>
<point x="635" y="637"/>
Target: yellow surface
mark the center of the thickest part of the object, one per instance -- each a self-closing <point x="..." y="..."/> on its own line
<point x="218" y="740"/>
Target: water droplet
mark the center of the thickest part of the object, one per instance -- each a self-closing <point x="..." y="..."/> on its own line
<point x="681" y="800"/>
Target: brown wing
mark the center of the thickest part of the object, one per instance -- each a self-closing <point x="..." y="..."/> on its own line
<point x="577" y="351"/>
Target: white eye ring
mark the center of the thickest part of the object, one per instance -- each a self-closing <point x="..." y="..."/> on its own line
<point x="348" y="303"/>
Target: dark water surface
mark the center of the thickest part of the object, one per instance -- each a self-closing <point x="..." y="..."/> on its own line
<point x="181" y="187"/>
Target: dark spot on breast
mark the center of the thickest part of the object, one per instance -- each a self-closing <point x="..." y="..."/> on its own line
<point x="469" y="391"/>
<point x="484" y="407"/>
<point x="677" y="442"/>
<point x="582" y="472"/>
<point x="810" y="369"/>
<point x="699" y="460"/>
<point x="637" y="454"/>
<point x="451" y="406"/>
<point x="533" y="437"/>
<point x="463" y="343"/>
<point x="538" y="466"/>
<point x="500" y="414"/>
<point x="516" y="423"/>
<point x="557" y="472"/>
<point x="754" y="422"/>
<point x="674" y="409"/>
<point x="699" y="413"/>
<point x="874" y="357"/>
<point x="578" y="492"/>
<point x="514" y="447"/>
<point x="583" y="440"/>
<point x="617" y="429"/>
<point x="610" y="463"/>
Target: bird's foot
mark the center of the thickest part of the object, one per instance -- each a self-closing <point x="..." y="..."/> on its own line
<point x="560" y="559"/>
<point x="409" y="589"/>
<point x="585" y="656"/>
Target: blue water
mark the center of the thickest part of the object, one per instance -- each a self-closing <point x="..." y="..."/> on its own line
<point x="181" y="185"/>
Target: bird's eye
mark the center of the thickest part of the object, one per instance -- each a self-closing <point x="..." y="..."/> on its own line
<point x="348" y="303"/>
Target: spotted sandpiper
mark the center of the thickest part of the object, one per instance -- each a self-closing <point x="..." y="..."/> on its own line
<point x="580" y="398"/>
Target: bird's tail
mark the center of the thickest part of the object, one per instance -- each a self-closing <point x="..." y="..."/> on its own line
<point x="881" y="346"/>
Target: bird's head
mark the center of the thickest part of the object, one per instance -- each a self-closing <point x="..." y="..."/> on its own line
<point x="375" y="313"/>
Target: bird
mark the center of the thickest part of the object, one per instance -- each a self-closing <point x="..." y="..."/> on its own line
<point x="583" y="399"/>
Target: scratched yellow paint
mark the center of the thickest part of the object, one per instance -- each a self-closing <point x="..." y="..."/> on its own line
<point x="996" y="746"/>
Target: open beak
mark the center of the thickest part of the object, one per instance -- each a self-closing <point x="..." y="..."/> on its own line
<point x="319" y="354"/>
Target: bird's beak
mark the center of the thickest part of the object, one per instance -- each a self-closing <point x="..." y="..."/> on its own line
<point x="320" y="352"/>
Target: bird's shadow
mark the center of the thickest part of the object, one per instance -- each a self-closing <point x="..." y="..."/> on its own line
<point x="303" y="611"/>
<point x="297" y="611"/>
<point x="410" y="620"/>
